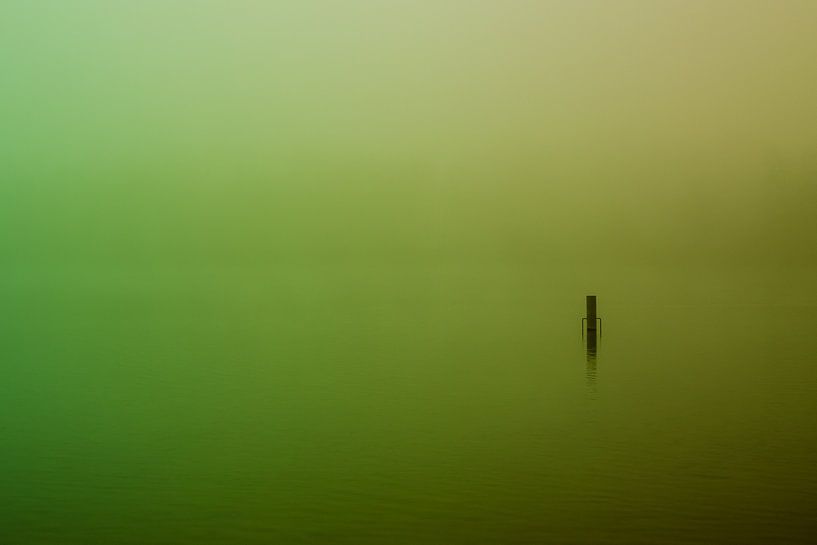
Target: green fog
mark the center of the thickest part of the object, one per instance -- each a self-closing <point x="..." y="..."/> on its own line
<point x="313" y="272"/>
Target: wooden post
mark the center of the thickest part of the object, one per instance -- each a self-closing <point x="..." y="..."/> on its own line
<point x="591" y="314"/>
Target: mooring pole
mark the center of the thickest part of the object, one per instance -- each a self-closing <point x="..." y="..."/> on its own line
<point x="591" y="316"/>
<point x="591" y="313"/>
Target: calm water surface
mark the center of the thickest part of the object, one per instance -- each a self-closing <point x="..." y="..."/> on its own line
<point x="420" y="407"/>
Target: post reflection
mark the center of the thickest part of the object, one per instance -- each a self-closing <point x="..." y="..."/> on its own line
<point x="592" y="351"/>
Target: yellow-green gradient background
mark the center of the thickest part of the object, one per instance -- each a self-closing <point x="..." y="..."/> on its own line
<point x="214" y="133"/>
<point x="281" y="272"/>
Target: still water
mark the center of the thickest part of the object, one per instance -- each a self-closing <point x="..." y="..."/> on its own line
<point x="366" y="405"/>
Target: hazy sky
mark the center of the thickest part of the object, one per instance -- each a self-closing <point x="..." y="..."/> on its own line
<point x="533" y="131"/>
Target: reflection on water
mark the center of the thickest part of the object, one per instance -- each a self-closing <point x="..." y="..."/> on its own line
<point x="591" y="340"/>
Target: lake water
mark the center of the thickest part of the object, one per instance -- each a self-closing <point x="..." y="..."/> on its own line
<point x="404" y="405"/>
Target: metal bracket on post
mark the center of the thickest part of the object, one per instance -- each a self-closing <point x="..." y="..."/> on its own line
<point x="596" y="320"/>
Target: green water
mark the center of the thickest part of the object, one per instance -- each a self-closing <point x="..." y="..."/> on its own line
<point x="402" y="405"/>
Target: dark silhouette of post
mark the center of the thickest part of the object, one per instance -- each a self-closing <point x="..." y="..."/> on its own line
<point x="591" y="317"/>
<point x="591" y="313"/>
<point x="592" y="339"/>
